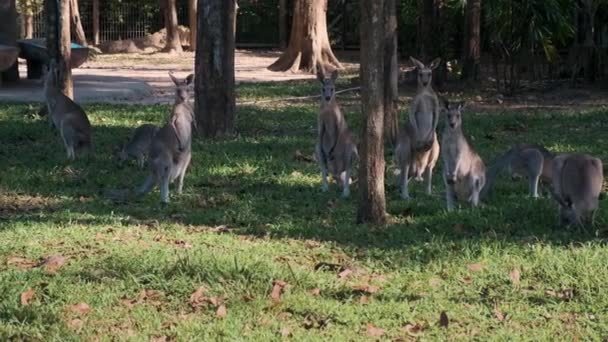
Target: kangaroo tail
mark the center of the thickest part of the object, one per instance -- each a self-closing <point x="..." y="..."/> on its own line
<point x="492" y="172"/>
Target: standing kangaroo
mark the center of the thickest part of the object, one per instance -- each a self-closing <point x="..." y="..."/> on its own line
<point x="170" y="150"/>
<point x="464" y="171"/>
<point x="417" y="149"/>
<point x="138" y="145"/>
<point x="67" y="116"/>
<point x="532" y="161"/>
<point x="577" y="183"/>
<point x="335" y="149"/>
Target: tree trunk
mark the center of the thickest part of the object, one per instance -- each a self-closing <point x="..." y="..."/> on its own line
<point x="432" y="38"/>
<point x="192" y="21"/>
<point x="283" y="23"/>
<point x="173" y="44"/>
<point x="472" y="50"/>
<point x="96" y="22"/>
<point x="391" y="74"/>
<point x="372" y="204"/>
<point x="76" y="27"/>
<point x="28" y="22"/>
<point x="214" y="67"/>
<point x="309" y="41"/>
<point x="58" y="42"/>
<point x="8" y="36"/>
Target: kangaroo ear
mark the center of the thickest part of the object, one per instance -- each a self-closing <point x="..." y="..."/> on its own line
<point x="189" y="79"/>
<point x="175" y="80"/>
<point x="462" y="105"/>
<point x="417" y="63"/>
<point x="435" y="63"/>
<point x="334" y="75"/>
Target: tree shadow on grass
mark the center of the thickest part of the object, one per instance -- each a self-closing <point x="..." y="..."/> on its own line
<point x="254" y="183"/>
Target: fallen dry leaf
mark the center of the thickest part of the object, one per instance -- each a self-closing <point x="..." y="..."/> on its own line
<point x="370" y="289"/>
<point x="53" y="263"/>
<point x="500" y="316"/>
<point x="564" y="294"/>
<point x="299" y="156"/>
<point x="221" y="311"/>
<point x="80" y="308"/>
<point x="364" y="300"/>
<point x="27" y="296"/>
<point x="467" y="280"/>
<point x="476" y="267"/>
<point x="285" y="332"/>
<point x="277" y="290"/>
<point x="514" y="275"/>
<point x="444" y="321"/>
<point x="21" y="263"/>
<point x="198" y="297"/>
<point x="435" y="281"/>
<point x="182" y="244"/>
<point x="374" y="331"/>
<point x="315" y="292"/>
<point x="413" y="329"/>
<point x="345" y="273"/>
<point x="75" y="324"/>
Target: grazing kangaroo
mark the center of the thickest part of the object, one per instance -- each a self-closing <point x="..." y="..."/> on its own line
<point x="67" y="116"/>
<point x="464" y="173"/>
<point x="138" y="145"/>
<point x="336" y="148"/>
<point x="170" y="149"/>
<point x="577" y="183"/>
<point x="417" y="149"/>
<point x="531" y="161"/>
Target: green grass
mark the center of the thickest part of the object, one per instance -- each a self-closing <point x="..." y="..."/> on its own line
<point x="280" y="227"/>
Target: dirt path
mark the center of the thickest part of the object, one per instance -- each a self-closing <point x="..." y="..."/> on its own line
<point x="142" y="78"/>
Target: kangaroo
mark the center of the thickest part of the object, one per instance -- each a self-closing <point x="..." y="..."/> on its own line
<point x="170" y="149"/>
<point x="336" y="148"/>
<point x="67" y="116"/>
<point x="415" y="152"/>
<point x="138" y="145"/>
<point x="577" y="183"/>
<point x="425" y="107"/>
<point x="464" y="172"/>
<point x="532" y="161"/>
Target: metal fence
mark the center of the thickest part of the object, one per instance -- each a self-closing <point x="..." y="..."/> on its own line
<point x="257" y="21"/>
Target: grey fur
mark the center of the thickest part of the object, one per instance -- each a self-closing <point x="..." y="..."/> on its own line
<point x="336" y="149"/>
<point x="464" y="172"/>
<point x="138" y="145"/>
<point x="171" y="147"/>
<point x="67" y="116"/>
<point x="577" y="183"/>
<point x="531" y="161"/>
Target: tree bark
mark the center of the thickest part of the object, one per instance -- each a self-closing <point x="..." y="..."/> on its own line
<point x="58" y="42"/>
<point x="472" y="40"/>
<point x="8" y="36"/>
<point x="192" y="21"/>
<point x="372" y="204"/>
<point x="214" y="67"/>
<point x="391" y="73"/>
<point x="309" y="41"/>
<point x="283" y="24"/>
<point x="96" y="40"/>
<point x="173" y="44"/>
<point x="28" y="22"/>
<point x="431" y="37"/>
<point x="76" y="27"/>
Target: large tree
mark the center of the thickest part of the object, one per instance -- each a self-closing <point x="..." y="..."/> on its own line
<point x="372" y="204"/>
<point x="214" y="67"/>
<point x="58" y="42"/>
<point x="95" y="15"/>
<point x="8" y="36"/>
<point x="283" y="23"/>
<point x="472" y="40"/>
<point x="192" y="21"/>
<point x="169" y="9"/>
<point x="431" y="36"/>
<point x="309" y="41"/>
<point x="76" y="27"/>
<point x="391" y="73"/>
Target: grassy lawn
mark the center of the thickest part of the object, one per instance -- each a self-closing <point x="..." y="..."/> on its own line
<point x="252" y="215"/>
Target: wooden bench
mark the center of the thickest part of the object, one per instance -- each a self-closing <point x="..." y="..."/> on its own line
<point x="35" y="54"/>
